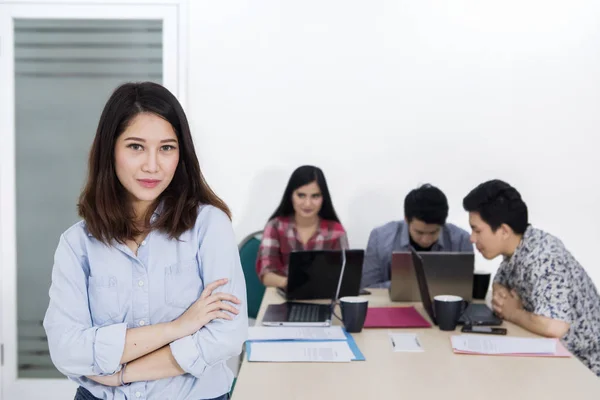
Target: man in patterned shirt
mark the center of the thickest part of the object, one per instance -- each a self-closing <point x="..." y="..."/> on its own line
<point x="539" y="286"/>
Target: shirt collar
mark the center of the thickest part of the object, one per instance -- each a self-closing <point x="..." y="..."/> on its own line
<point x="524" y="246"/>
<point x="404" y="239"/>
<point x="441" y="243"/>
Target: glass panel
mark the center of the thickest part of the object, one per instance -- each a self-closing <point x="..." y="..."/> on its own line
<point x="64" y="72"/>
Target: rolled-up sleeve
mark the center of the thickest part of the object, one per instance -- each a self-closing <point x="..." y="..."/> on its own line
<point x="220" y="339"/>
<point x="76" y="347"/>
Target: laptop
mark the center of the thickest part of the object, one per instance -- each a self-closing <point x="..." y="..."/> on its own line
<point x="473" y="314"/>
<point x="314" y="274"/>
<point x="309" y="314"/>
<point x="446" y="273"/>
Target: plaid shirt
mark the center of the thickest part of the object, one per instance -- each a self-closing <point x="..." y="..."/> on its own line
<point x="280" y="238"/>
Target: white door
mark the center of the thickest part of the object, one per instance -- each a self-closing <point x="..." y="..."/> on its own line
<point x="59" y="62"/>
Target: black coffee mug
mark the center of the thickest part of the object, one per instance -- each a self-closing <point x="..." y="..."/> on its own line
<point x="481" y="283"/>
<point x="354" y="312"/>
<point x="447" y="310"/>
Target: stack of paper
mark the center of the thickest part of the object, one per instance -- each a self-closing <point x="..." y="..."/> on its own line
<point x="334" y="351"/>
<point x="272" y="333"/>
<point x="502" y="346"/>
<point x="283" y="344"/>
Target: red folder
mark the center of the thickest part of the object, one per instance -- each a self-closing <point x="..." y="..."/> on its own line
<point x="395" y="317"/>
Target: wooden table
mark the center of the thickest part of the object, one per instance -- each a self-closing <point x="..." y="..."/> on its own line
<point x="436" y="373"/>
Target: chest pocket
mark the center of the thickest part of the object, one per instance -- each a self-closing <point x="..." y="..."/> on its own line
<point x="183" y="285"/>
<point x="103" y="296"/>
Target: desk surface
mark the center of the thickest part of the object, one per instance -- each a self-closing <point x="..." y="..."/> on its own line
<point x="436" y="373"/>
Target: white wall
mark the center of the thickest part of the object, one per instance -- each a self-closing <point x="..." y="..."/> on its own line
<point x="387" y="94"/>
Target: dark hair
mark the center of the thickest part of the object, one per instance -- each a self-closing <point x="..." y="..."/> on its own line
<point x="426" y="203"/>
<point x="498" y="203"/>
<point x="303" y="176"/>
<point x="103" y="202"/>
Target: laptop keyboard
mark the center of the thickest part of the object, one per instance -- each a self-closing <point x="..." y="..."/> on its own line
<point x="479" y="313"/>
<point x="306" y="313"/>
<point x="478" y="310"/>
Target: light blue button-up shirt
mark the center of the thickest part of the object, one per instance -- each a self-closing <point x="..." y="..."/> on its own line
<point x="99" y="291"/>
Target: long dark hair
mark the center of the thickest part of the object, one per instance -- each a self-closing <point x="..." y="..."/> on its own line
<point x="303" y="176"/>
<point x="103" y="202"/>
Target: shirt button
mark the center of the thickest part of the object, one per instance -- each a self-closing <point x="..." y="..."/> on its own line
<point x="142" y="323"/>
<point x="141" y="283"/>
<point x="138" y="394"/>
<point x="143" y="242"/>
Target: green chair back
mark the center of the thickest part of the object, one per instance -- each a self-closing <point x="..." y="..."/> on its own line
<point x="255" y="290"/>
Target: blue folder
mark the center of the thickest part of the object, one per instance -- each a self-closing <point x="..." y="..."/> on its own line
<point x="358" y="355"/>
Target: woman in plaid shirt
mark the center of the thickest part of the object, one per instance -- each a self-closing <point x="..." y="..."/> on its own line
<point x="304" y="220"/>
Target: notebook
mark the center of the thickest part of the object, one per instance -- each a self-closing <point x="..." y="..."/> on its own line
<point x="395" y="317"/>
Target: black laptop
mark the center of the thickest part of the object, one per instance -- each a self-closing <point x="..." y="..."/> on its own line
<point x="472" y="314"/>
<point x="314" y="274"/>
<point x="323" y="274"/>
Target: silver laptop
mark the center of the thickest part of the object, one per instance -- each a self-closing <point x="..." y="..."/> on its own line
<point x="446" y="273"/>
<point x="306" y="314"/>
<point x="471" y="314"/>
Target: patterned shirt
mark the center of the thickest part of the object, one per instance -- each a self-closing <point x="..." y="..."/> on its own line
<point x="551" y="283"/>
<point x="280" y="238"/>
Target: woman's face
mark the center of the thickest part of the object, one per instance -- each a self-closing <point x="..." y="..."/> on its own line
<point x="146" y="157"/>
<point x="307" y="200"/>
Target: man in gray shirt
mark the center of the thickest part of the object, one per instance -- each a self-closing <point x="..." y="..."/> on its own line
<point x="424" y="228"/>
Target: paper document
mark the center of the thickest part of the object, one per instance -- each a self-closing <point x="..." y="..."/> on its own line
<point x="301" y="352"/>
<point x="283" y="333"/>
<point x="405" y="342"/>
<point x="503" y="345"/>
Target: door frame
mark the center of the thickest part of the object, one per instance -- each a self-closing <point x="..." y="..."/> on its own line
<point x="174" y="14"/>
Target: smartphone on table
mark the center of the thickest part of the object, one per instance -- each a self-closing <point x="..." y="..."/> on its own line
<point x="486" y="330"/>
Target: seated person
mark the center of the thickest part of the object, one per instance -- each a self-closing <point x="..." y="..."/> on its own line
<point x="539" y="285"/>
<point x="424" y="228"/>
<point x="304" y="220"/>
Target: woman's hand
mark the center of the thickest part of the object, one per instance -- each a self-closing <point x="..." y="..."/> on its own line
<point x="208" y="307"/>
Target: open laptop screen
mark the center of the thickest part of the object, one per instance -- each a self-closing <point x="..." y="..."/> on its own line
<point x="315" y="274"/>
<point x="423" y="287"/>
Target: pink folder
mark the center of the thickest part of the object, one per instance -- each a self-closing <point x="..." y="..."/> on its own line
<point x="395" y="317"/>
<point x="561" y="351"/>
